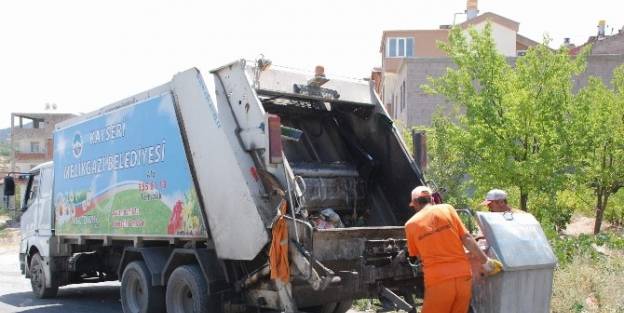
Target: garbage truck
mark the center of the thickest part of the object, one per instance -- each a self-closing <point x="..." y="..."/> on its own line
<point x="288" y="193"/>
<point x="177" y="196"/>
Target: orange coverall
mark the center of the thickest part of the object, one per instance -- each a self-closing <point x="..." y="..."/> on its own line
<point x="434" y="235"/>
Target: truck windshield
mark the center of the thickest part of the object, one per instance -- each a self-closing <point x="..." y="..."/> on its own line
<point x="32" y="190"/>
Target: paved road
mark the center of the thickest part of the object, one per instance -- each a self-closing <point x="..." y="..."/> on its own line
<point x="15" y="295"/>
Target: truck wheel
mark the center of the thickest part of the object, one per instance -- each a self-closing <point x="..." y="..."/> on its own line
<point x="137" y="293"/>
<point x="38" y="278"/>
<point x="187" y="291"/>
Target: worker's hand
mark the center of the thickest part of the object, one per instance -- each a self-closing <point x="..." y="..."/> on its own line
<point x="492" y="267"/>
<point x="401" y="257"/>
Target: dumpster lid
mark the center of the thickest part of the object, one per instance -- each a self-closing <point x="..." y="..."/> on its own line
<point x="517" y="240"/>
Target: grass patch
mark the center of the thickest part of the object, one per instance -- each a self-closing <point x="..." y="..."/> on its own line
<point x="588" y="284"/>
<point x="363" y="305"/>
<point x="590" y="274"/>
<point x="6" y="232"/>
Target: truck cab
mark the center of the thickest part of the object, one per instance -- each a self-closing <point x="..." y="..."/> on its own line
<point x="37" y="228"/>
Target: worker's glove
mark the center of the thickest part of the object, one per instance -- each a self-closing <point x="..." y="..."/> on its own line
<point x="415" y="265"/>
<point x="492" y="267"/>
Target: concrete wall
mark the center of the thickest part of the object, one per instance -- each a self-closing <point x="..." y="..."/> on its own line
<point x="504" y="37"/>
<point x="389" y="88"/>
<point x="420" y="106"/>
<point x="600" y="66"/>
<point x="425" y="45"/>
<point x="609" y="45"/>
<point x="23" y="158"/>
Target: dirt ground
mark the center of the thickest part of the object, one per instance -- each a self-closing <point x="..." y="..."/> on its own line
<point x="583" y="225"/>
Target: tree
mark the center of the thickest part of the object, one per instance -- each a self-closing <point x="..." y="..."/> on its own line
<point x="514" y="132"/>
<point x="447" y="166"/>
<point x="599" y="119"/>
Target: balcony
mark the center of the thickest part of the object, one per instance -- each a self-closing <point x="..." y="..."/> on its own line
<point x="29" y="156"/>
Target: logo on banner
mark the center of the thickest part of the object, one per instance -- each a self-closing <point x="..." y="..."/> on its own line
<point x="77" y="145"/>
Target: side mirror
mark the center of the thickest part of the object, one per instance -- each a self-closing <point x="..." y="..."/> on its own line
<point x="9" y="186"/>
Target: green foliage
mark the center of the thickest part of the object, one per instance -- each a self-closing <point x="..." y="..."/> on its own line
<point x="406" y="134"/>
<point x="598" y="120"/>
<point x="549" y="211"/>
<point x="615" y="216"/>
<point x="513" y="132"/>
<point x="523" y="129"/>
<point x="5" y="149"/>
<point x="363" y="305"/>
<point x="447" y="167"/>
<point x="566" y="248"/>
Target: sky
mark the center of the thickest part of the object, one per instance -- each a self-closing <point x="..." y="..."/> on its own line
<point x="82" y="55"/>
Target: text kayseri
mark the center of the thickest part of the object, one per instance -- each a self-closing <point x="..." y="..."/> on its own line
<point x="108" y="133"/>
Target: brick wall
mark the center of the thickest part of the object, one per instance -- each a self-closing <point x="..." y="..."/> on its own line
<point x="609" y="45"/>
<point x="600" y="66"/>
<point x="421" y="107"/>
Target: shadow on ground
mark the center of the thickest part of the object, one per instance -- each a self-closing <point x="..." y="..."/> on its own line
<point x="92" y="299"/>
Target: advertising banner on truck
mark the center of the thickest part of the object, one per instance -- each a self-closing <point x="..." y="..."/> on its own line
<point x="125" y="172"/>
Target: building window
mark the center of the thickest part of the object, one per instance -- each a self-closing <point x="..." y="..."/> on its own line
<point x="400" y="47"/>
<point x="403" y="95"/>
<point x="34" y="147"/>
<point x="396" y="104"/>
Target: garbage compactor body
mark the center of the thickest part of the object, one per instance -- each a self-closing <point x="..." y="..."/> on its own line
<point x="172" y="181"/>
<point x="525" y="285"/>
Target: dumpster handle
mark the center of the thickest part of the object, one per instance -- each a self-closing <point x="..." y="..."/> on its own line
<point x="508" y="215"/>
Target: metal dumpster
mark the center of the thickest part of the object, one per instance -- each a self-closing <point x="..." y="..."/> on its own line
<point x="525" y="285"/>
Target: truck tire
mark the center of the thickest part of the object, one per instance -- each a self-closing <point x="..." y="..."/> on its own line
<point x="187" y="291"/>
<point x="137" y="293"/>
<point x="38" y="278"/>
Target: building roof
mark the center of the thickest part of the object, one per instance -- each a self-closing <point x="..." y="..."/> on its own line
<point x="526" y="41"/>
<point x="493" y="17"/>
<point x="42" y="115"/>
<point x="604" y="45"/>
<point x="487" y="16"/>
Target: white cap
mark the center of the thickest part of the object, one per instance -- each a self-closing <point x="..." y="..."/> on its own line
<point x="421" y="191"/>
<point x="493" y="195"/>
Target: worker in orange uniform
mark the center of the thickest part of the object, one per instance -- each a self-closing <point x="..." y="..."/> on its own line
<point x="496" y="201"/>
<point x="437" y="236"/>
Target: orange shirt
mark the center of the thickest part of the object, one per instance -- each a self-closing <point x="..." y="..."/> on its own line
<point x="434" y="235"/>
